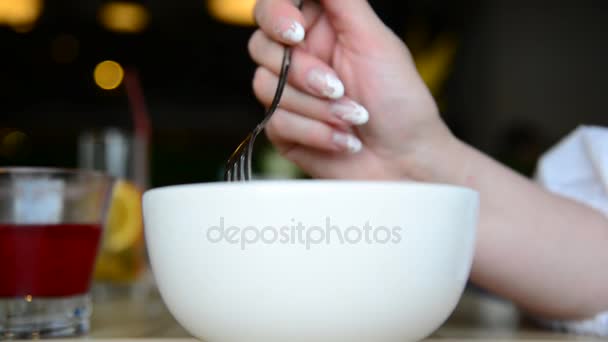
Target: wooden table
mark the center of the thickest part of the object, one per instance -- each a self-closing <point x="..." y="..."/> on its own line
<point x="138" y="314"/>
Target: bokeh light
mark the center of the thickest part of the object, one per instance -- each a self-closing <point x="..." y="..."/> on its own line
<point x="21" y="15"/>
<point x="12" y="142"/>
<point x="124" y="17"/>
<point x="65" y="48"/>
<point x="108" y="75"/>
<point x="236" y="12"/>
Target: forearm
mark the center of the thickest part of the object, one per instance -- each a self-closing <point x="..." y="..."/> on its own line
<point x="546" y="253"/>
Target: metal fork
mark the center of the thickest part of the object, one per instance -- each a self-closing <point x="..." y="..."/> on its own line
<point x="238" y="167"/>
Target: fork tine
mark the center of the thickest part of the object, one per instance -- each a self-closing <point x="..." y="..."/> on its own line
<point x="230" y="170"/>
<point x="249" y="153"/>
<point x="241" y="169"/>
<point x="247" y="164"/>
<point x="235" y="170"/>
<point x="242" y="172"/>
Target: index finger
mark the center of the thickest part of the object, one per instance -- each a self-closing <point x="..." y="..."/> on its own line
<point x="281" y="20"/>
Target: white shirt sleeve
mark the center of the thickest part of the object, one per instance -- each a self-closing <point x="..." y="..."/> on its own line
<point x="577" y="168"/>
<point x="597" y="326"/>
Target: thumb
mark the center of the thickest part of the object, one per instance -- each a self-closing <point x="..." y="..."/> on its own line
<point x="353" y="17"/>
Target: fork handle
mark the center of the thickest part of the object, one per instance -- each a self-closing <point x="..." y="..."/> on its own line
<point x="282" y="81"/>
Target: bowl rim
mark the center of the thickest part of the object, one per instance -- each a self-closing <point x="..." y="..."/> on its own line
<point x="307" y="183"/>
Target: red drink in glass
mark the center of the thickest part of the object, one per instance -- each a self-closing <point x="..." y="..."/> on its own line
<point x="50" y="229"/>
<point x="47" y="260"/>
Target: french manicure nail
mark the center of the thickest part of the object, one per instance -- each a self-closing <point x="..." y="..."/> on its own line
<point x="291" y="30"/>
<point x="348" y="141"/>
<point x="350" y="111"/>
<point x="326" y="83"/>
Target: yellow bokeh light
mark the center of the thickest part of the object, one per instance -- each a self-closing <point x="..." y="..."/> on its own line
<point x="28" y="298"/>
<point x="124" y="17"/>
<point x="108" y="75"/>
<point x="238" y="12"/>
<point x="20" y="14"/>
<point x="65" y="48"/>
<point x="12" y="142"/>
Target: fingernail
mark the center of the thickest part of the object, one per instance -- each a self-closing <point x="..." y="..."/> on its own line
<point x="350" y="111"/>
<point x="348" y="141"/>
<point x="291" y="30"/>
<point x="326" y="83"/>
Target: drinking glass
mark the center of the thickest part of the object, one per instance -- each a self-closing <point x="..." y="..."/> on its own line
<point x="122" y="258"/>
<point x="51" y="223"/>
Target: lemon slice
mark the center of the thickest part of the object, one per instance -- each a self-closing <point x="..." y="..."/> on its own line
<point x="125" y="224"/>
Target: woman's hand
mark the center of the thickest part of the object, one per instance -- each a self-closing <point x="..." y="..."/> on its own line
<point x="355" y="105"/>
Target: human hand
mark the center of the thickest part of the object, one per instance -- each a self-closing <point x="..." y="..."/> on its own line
<point x="346" y="58"/>
<point x="355" y="105"/>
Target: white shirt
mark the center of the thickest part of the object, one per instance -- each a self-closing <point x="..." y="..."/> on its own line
<point x="577" y="168"/>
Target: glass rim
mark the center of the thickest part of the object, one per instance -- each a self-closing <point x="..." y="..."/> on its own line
<point x="58" y="171"/>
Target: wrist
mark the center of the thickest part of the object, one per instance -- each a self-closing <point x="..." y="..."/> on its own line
<point x="447" y="160"/>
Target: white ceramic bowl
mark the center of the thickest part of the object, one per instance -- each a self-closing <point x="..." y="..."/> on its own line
<point x="311" y="260"/>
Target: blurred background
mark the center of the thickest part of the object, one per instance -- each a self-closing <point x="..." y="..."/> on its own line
<point x="173" y="79"/>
